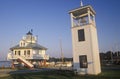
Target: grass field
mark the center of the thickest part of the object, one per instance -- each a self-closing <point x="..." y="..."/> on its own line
<point x="60" y="74"/>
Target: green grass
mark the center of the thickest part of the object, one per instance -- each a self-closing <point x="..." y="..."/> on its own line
<point x="106" y="74"/>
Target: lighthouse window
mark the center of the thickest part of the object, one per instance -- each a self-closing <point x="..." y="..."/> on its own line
<point x="24" y="52"/>
<point x="18" y="52"/>
<point x="15" y="52"/>
<point x="24" y="44"/>
<point x="81" y="36"/>
<point x="28" y="52"/>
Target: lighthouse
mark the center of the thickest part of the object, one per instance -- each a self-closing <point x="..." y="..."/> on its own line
<point x="84" y="40"/>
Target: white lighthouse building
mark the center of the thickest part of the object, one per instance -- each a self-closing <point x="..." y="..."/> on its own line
<point x="28" y="52"/>
<point x="84" y="40"/>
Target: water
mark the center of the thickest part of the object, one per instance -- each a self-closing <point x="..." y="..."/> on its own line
<point x="5" y="63"/>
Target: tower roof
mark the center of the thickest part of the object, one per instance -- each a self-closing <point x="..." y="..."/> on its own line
<point x="82" y="10"/>
<point x="29" y="33"/>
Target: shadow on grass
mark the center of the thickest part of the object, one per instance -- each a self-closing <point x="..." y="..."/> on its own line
<point x="62" y="74"/>
<point x="56" y="74"/>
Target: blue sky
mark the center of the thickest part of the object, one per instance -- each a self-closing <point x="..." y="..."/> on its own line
<point x="50" y="20"/>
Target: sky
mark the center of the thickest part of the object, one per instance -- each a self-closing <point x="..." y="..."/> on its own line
<point x="50" y="20"/>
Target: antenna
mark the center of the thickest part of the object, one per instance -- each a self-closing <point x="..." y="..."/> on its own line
<point x="81" y="3"/>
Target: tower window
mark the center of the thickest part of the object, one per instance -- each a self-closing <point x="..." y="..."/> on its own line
<point x="81" y="35"/>
<point x="83" y="61"/>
